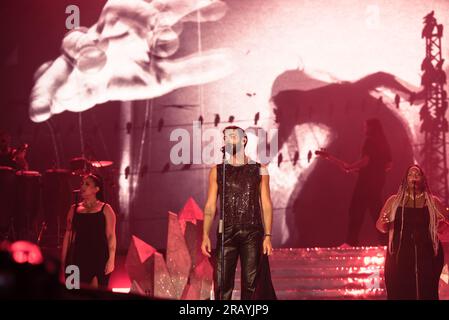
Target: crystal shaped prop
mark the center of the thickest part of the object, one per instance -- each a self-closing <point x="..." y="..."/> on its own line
<point x="200" y="282"/>
<point x="191" y="212"/>
<point x="147" y="271"/>
<point x="191" y="221"/>
<point x="179" y="262"/>
<point x="193" y="236"/>
<point x="186" y="273"/>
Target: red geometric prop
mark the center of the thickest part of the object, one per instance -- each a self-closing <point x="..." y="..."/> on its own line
<point x="147" y="271"/>
<point x="186" y="273"/>
<point x="179" y="262"/>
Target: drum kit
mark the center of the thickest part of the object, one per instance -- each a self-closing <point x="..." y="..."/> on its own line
<point x="34" y="205"/>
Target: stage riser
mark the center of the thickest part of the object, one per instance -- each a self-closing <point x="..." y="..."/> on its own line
<point x="318" y="273"/>
<point x="326" y="273"/>
<point x="323" y="295"/>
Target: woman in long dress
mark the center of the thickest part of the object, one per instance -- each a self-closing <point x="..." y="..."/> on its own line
<point x="413" y="218"/>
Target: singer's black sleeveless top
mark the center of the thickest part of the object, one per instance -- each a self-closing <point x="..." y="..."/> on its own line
<point x="242" y="195"/>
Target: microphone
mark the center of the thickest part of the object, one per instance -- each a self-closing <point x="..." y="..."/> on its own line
<point x="230" y="148"/>
<point x="223" y="150"/>
<point x="76" y="195"/>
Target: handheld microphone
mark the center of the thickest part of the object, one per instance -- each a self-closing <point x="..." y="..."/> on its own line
<point x="76" y="191"/>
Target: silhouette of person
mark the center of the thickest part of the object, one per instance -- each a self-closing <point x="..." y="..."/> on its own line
<point x="372" y="167"/>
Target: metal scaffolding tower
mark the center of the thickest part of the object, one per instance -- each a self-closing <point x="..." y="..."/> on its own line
<point x="434" y="123"/>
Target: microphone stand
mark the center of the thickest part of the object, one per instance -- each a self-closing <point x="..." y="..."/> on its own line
<point x="69" y="247"/>
<point x="414" y="244"/>
<point x="414" y="195"/>
<point x="221" y="227"/>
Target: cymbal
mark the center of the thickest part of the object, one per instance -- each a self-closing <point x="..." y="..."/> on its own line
<point x="57" y="170"/>
<point x="25" y="173"/>
<point x="78" y="159"/>
<point x="101" y="164"/>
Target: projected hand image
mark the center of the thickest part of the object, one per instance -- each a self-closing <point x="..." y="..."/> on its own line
<point x="128" y="55"/>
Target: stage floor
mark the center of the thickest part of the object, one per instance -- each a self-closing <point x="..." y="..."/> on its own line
<point x="313" y="274"/>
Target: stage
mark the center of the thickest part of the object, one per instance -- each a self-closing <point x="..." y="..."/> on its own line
<point x="350" y="273"/>
<point x="311" y="121"/>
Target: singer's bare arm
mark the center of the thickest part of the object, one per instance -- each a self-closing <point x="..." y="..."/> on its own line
<point x="441" y="209"/>
<point x="383" y="222"/>
<point x="67" y="236"/>
<point x="209" y="211"/>
<point x="111" y="238"/>
<point x="267" y="209"/>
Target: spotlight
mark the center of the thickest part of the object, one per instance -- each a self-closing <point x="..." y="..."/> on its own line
<point x="397" y="101"/>
<point x="160" y="124"/>
<point x="127" y="171"/>
<point x="296" y="158"/>
<point x="280" y="157"/>
<point x="216" y="120"/>
<point x="256" y="118"/>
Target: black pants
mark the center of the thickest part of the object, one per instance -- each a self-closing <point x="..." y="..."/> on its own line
<point x="240" y="241"/>
<point x="367" y="196"/>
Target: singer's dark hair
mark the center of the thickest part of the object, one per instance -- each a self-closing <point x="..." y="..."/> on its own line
<point x="241" y="132"/>
<point x="425" y="185"/>
<point x="98" y="182"/>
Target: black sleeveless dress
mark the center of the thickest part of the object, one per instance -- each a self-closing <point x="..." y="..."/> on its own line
<point x="413" y="264"/>
<point x="90" y="246"/>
